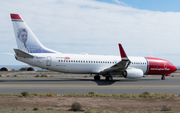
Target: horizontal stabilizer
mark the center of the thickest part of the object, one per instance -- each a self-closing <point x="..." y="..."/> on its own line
<point x="20" y="53"/>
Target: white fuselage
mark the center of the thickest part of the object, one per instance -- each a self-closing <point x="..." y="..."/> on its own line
<point x="31" y="51"/>
<point x="82" y="64"/>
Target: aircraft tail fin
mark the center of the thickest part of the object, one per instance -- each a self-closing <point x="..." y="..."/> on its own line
<point x="25" y="38"/>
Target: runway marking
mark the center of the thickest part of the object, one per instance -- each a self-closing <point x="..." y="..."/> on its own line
<point x="93" y="86"/>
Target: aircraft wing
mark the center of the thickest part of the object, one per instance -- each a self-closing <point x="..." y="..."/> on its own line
<point x="120" y="66"/>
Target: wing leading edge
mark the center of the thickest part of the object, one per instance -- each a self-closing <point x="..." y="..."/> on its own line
<point x="120" y="66"/>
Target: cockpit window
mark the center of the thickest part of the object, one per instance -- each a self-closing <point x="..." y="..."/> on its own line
<point x="170" y="63"/>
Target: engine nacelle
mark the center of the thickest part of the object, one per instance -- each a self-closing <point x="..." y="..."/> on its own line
<point x="133" y="73"/>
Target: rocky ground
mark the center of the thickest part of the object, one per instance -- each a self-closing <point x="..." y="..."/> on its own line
<point x="89" y="104"/>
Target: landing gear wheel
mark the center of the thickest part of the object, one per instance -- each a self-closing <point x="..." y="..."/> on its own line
<point x="97" y="77"/>
<point x="162" y="78"/>
<point x="124" y="74"/>
<point x="109" y="78"/>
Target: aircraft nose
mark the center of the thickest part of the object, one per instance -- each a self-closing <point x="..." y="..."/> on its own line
<point x="175" y="68"/>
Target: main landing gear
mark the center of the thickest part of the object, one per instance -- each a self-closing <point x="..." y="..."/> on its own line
<point x="108" y="78"/>
<point x="97" y="77"/>
<point x="163" y="77"/>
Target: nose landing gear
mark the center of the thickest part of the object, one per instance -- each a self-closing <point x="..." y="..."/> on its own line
<point x="163" y="77"/>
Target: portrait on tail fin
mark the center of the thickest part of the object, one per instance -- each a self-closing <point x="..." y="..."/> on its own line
<point x="22" y="35"/>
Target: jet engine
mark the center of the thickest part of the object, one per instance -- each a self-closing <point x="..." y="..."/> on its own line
<point x="133" y="73"/>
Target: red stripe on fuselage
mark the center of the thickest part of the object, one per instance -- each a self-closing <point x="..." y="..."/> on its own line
<point x="15" y="16"/>
<point x="159" y="66"/>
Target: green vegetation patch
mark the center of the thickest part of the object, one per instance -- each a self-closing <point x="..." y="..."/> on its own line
<point x="76" y="106"/>
<point x="93" y="94"/>
<point x="25" y="94"/>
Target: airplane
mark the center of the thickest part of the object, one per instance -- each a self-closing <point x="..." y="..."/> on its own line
<point x="31" y="51"/>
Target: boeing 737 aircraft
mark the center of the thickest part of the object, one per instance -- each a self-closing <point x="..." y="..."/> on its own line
<point x="32" y="52"/>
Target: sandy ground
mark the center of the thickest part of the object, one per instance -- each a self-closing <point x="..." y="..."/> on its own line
<point x="91" y="104"/>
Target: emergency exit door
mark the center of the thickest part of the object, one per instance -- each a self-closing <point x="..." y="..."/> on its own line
<point x="48" y="61"/>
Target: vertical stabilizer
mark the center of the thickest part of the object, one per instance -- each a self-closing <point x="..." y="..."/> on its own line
<point x="25" y="38"/>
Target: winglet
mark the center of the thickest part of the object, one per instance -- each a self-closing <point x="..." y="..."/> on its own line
<point x="122" y="52"/>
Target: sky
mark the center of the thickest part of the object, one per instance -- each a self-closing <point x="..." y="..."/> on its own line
<point x="153" y="5"/>
<point x="148" y="28"/>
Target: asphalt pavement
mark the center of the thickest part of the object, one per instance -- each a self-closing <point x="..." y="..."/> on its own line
<point x="63" y="85"/>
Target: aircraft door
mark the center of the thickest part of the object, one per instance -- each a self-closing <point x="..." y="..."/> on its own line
<point x="165" y="66"/>
<point x="48" y="61"/>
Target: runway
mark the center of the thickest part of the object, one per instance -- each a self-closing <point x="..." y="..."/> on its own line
<point x="84" y="85"/>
